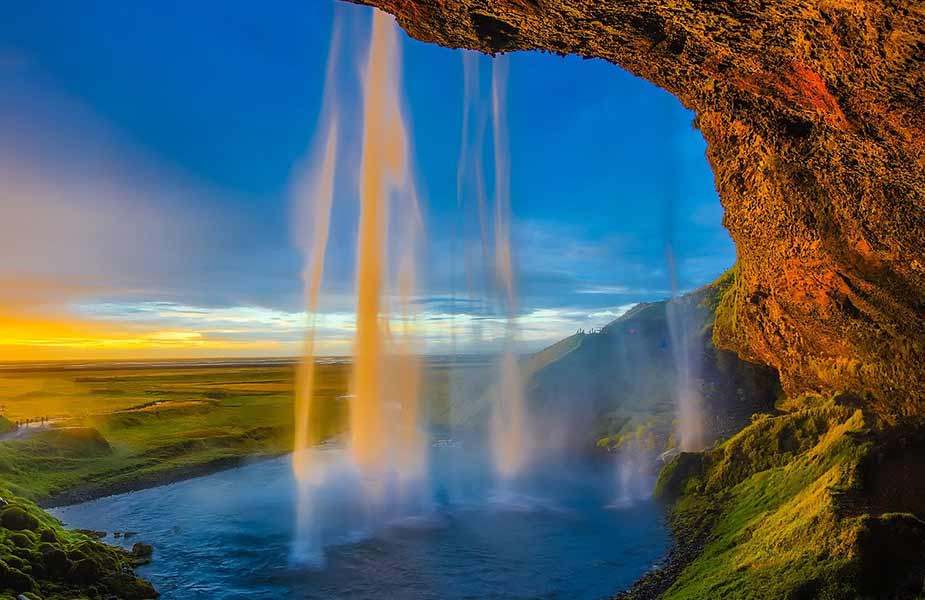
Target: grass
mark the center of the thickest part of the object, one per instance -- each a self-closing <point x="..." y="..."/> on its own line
<point x="773" y="508"/>
<point x="114" y="429"/>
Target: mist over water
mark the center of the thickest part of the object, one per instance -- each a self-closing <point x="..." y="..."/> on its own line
<point x="510" y="430"/>
<point x="683" y="332"/>
<point x="635" y="476"/>
<point x="685" y="353"/>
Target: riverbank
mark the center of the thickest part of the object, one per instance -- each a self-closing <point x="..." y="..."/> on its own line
<point x="39" y="558"/>
<point x="86" y="494"/>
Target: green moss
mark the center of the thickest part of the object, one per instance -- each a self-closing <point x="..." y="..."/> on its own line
<point x="37" y="555"/>
<point x="725" y="283"/>
<point x="725" y="306"/>
<point x="686" y="469"/>
<point x="769" y="505"/>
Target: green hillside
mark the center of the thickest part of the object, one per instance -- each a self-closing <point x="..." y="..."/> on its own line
<point x="624" y="379"/>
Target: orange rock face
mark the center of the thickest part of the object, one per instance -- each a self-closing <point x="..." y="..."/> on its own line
<point x="814" y="115"/>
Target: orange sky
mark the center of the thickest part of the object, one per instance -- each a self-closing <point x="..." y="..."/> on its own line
<point x="40" y="337"/>
<point x="37" y="322"/>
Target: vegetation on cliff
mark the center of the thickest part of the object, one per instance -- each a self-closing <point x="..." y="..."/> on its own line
<point x="41" y="559"/>
<point x="785" y="509"/>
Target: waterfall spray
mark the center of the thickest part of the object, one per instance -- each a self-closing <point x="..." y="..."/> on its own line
<point x="683" y="339"/>
<point x="509" y="435"/>
<point x="314" y="198"/>
<point x="412" y="453"/>
<point x="375" y="440"/>
<point x="688" y="403"/>
<point x="312" y="276"/>
<point x="684" y="335"/>
<point x="387" y="451"/>
<point x="508" y="419"/>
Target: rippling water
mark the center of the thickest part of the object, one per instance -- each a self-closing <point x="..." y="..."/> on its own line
<point x="230" y="535"/>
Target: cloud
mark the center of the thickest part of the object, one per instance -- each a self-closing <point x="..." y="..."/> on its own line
<point x="623" y="290"/>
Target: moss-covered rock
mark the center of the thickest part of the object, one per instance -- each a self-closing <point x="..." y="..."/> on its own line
<point x="16" y="518"/>
<point x="15" y="580"/>
<point x="22" y="540"/>
<point x="57" y="563"/>
<point x="142" y="551"/>
<point x="686" y="469"/>
<point x="48" y="535"/>
<point x="37" y="555"/>
<point x="84" y="571"/>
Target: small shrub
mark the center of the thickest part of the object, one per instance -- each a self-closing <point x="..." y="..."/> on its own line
<point x="17" y="519"/>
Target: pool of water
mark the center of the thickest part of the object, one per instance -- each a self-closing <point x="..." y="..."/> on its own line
<point x="231" y="534"/>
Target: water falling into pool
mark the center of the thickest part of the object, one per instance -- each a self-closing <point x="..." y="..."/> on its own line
<point x="386" y="457"/>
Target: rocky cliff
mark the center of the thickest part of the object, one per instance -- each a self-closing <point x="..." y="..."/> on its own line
<point x="815" y="124"/>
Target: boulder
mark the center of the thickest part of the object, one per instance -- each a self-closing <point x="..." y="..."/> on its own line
<point x="142" y="550"/>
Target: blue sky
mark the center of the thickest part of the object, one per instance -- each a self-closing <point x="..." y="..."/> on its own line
<point x="149" y="153"/>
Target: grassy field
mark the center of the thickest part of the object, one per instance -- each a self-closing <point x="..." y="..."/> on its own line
<point x="116" y="428"/>
<point x="112" y="428"/>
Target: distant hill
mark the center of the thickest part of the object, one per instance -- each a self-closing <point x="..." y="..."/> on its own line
<point x="623" y="381"/>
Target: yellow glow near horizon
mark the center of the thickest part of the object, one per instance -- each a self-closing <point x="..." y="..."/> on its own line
<point x="26" y="337"/>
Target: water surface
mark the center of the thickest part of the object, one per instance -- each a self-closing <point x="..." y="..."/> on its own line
<point x="230" y="535"/>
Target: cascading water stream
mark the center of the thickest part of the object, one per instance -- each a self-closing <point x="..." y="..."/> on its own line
<point x="387" y="449"/>
<point x="683" y="334"/>
<point x="509" y="427"/>
<point x="379" y="442"/>
<point x="508" y="422"/>
<point x="314" y="198"/>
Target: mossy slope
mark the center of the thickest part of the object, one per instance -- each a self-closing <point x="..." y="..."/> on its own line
<point x="41" y="559"/>
<point x="782" y="510"/>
